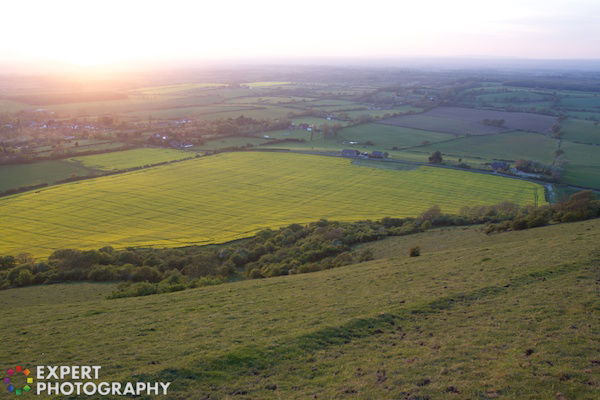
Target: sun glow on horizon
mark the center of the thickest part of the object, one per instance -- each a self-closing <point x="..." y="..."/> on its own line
<point x="97" y="33"/>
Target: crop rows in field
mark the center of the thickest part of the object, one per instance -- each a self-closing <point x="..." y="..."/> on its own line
<point x="230" y="196"/>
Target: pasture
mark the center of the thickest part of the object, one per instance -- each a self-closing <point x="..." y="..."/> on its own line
<point x="506" y="146"/>
<point x="230" y="141"/>
<point x="269" y="100"/>
<point x="316" y="121"/>
<point x="589" y="102"/>
<point x="507" y="97"/>
<point x="578" y="130"/>
<point x="289" y="134"/>
<point x="379" y="113"/>
<point x="388" y="136"/>
<point x="230" y="196"/>
<point x="267" y="84"/>
<point x="191" y="111"/>
<point x="508" y="315"/>
<point x="176" y="88"/>
<point x="582" y="164"/>
<point x="13" y="106"/>
<point x="263" y="112"/>
<point x="84" y="146"/>
<point x="462" y="121"/>
<point x="17" y="175"/>
<point x="119" y="160"/>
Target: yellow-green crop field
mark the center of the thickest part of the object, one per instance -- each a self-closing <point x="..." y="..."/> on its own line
<point x="130" y="158"/>
<point x="233" y="195"/>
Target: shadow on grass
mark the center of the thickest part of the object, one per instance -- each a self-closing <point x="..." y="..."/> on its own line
<point x="251" y="360"/>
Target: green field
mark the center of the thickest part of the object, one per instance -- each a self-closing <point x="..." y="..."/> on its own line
<point x="13" y="106"/>
<point x="176" y="89"/>
<point x="387" y="136"/>
<point x="290" y="134"/>
<point x="316" y="121"/>
<point x="14" y="176"/>
<point x="269" y="100"/>
<point x="502" y="97"/>
<point x="511" y="315"/>
<point x="579" y="130"/>
<point x="583" y="164"/>
<point x="264" y="112"/>
<point x="505" y="146"/>
<point x="192" y="111"/>
<point x="590" y="115"/>
<point x="590" y="102"/>
<point x="46" y="151"/>
<point x="130" y="158"/>
<point x="230" y="196"/>
<point x="230" y="141"/>
<point x="380" y="113"/>
<point x="267" y="84"/>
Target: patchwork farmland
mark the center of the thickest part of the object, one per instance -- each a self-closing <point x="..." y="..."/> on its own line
<point x="231" y="196"/>
<point x="461" y="121"/>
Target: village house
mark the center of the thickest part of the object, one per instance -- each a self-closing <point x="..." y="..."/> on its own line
<point x="350" y="153"/>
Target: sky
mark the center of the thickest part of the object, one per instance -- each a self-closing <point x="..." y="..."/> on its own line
<point x="108" y="32"/>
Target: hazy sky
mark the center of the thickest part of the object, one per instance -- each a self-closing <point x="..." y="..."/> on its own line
<point x="92" y="32"/>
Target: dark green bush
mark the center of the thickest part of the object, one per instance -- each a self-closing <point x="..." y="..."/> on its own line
<point x="24" y="278"/>
<point x="414" y="251"/>
<point x="146" y="273"/>
<point x="103" y="273"/>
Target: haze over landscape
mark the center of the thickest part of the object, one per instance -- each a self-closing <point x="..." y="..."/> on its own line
<point x="300" y="200"/>
<point x="93" y="33"/>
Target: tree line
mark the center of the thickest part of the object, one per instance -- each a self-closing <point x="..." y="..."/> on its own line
<point x="293" y="249"/>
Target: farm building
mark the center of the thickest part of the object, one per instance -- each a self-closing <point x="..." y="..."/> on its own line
<point x="350" y="153"/>
<point x="499" y="165"/>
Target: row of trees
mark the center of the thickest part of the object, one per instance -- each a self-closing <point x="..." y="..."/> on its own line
<point x="294" y="249"/>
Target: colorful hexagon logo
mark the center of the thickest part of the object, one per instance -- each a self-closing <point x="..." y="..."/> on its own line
<point x="14" y="377"/>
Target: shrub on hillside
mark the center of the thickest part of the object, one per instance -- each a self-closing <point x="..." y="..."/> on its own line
<point x="414" y="251"/>
<point x="134" y="290"/>
<point x="7" y="262"/>
<point x="102" y="273"/>
<point x="365" y="255"/>
<point x="147" y="274"/>
<point x="24" y="278"/>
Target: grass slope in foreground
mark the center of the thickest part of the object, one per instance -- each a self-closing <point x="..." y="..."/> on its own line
<point x="233" y="195"/>
<point x="507" y="316"/>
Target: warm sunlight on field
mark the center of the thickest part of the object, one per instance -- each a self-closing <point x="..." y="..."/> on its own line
<point x="230" y="196"/>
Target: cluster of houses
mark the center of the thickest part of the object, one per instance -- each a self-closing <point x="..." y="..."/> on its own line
<point x="303" y="126"/>
<point x="172" y="142"/>
<point x="358" y="154"/>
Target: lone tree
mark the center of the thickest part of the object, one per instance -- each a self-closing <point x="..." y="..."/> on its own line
<point x="436" y="157"/>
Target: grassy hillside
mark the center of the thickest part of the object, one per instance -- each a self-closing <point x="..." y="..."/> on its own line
<point x="229" y="196"/>
<point x="510" y="315"/>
